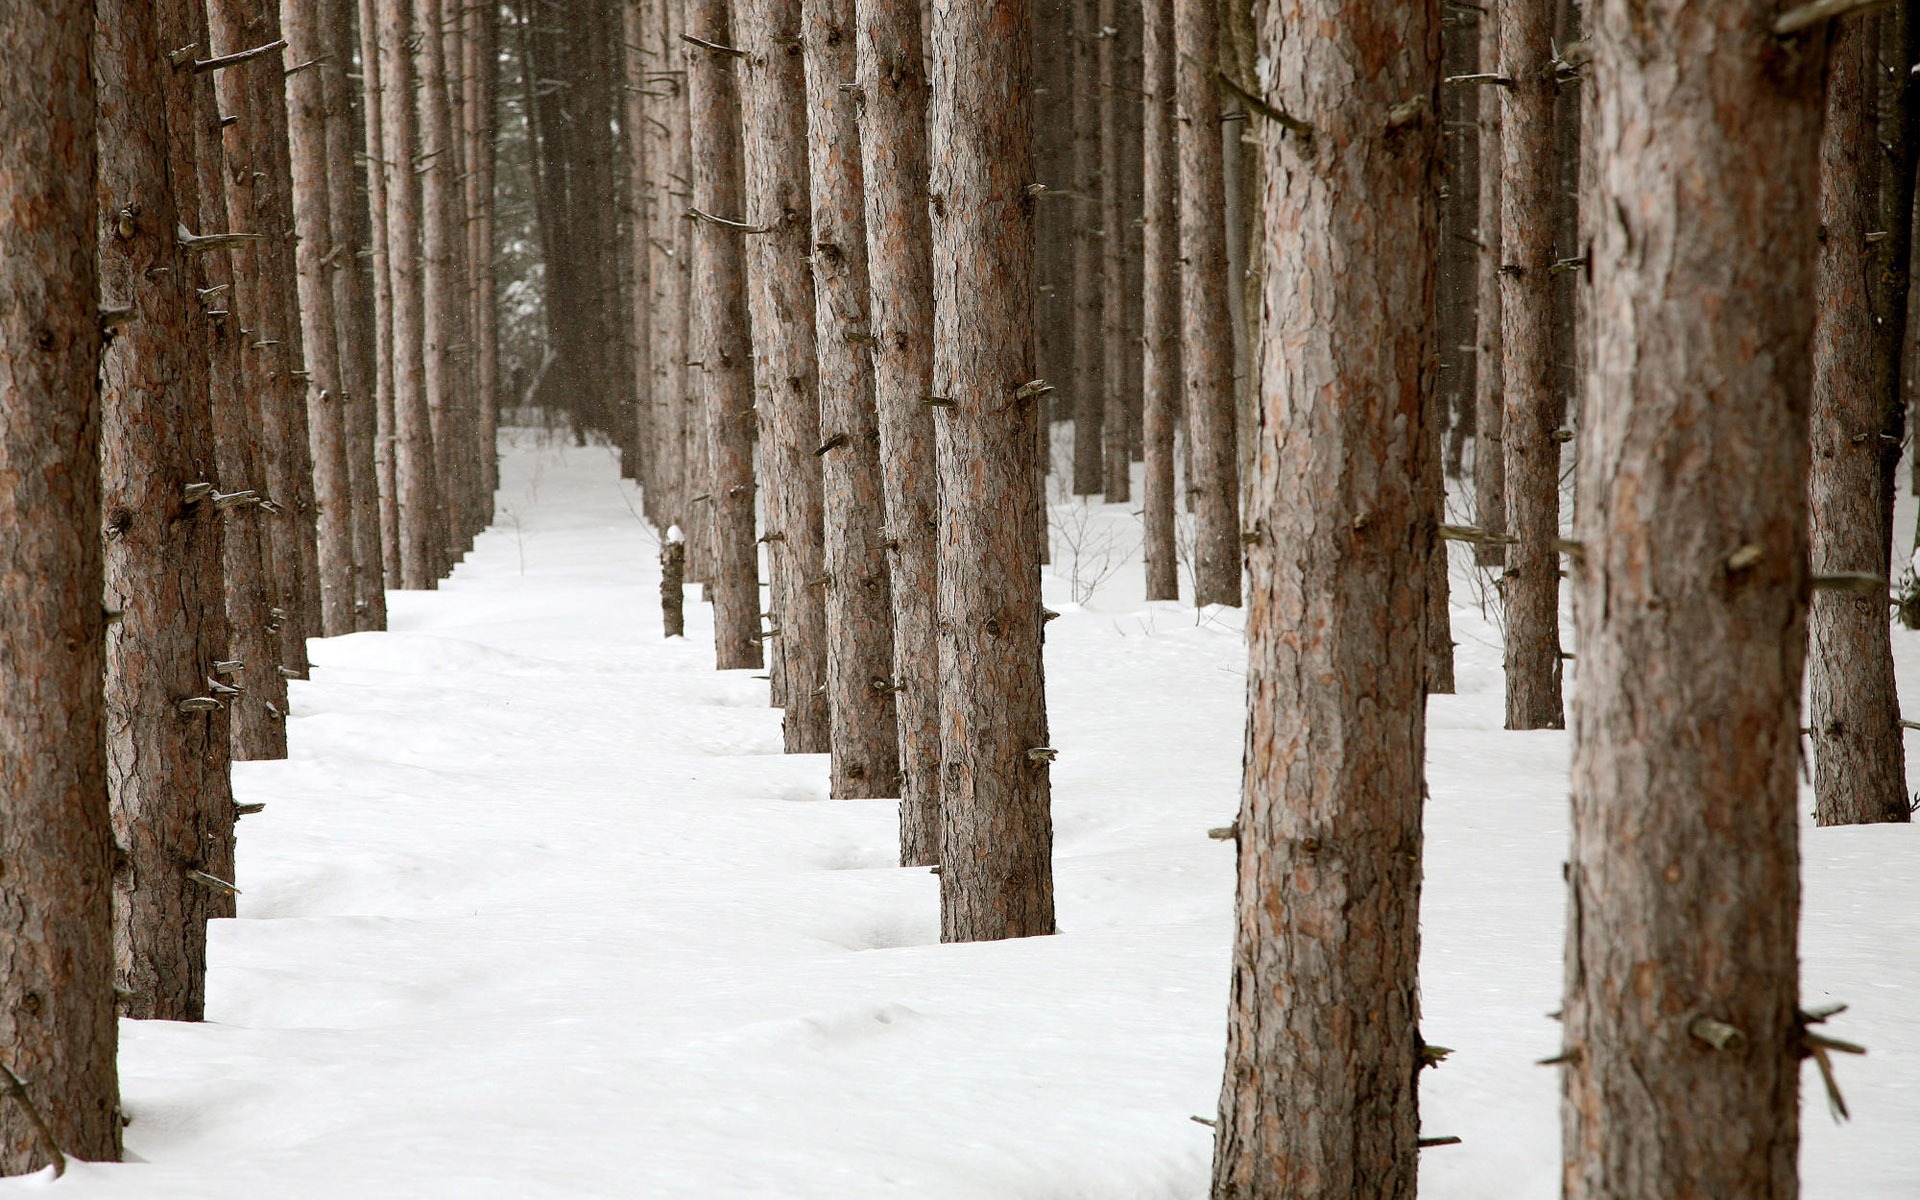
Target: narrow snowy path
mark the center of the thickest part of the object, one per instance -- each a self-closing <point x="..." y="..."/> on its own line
<point x="538" y="909"/>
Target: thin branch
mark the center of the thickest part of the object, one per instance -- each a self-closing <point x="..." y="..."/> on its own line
<point x="1808" y="15"/>
<point x="724" y="223"/>
<point x="201" y="66"/>
<point x="13" y="1085"/>
<point x="716" y="47"/>
<point x="1279" y="117"/>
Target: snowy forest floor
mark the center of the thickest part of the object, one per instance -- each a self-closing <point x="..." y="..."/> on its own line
<point x="537" y="908"/>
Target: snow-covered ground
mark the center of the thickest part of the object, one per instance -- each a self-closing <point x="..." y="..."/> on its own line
<point x="538" y="909"/>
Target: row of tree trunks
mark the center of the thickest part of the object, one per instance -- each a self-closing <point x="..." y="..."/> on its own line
<point x="56" y="983"/>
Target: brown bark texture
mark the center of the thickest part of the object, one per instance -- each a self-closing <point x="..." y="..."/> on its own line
<point x="306" y="101"/>
<point x="996" y="875"/>
<point x="864" y="727"/>
<point x="1690" y="608"/>
<point x="1206" y="342"/>
<point x="1859" y="761"/>
<point x="637" y="140"/>
<point x="442" y="281"/>
<point x="1160" y="343"/>
<point x="1489" y="454"/>
<point x="56" y="950"/>
<point x="482" y="23"/>
<point x="257" y="717"/>
<point x="1323" y="1044"/>
<point x="1088" y="385"/>
<point x="266" y="299"/>
<point x="420" y="523"/>
<point x="780" y="301"/>
<point x="1112" y="100"/>
<point x="372" y="107"/>
<point x="1531" y="582"/>
<point x="891" y="75"/>
<point x="166" y="764"/>
<point x="719" y="341"/>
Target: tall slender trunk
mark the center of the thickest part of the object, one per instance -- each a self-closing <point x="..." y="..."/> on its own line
<point x="482" y="54"/>
<point x="167" y="739"/>
<point x="56" y="945"/>
<point x="1489" y="452"/>
<point x="1088" y="387"/>
<point x="422" y="524"/>
<point x="1160" y="344"/>
<point x="1859" y="762"/>
<point x="1528" y="433"/>
<point x="996" y="874"/>
<point x="1323" y="1043"/>
<point x="353" y="318"/>
<point x="865" y="734"/>
<point x="780" y="298"/>
<point x="1689" y="600"/>
<point x="1206" y="340"/>
<point x="306" y="100"/>
<point x="257" y="717"/>
<point x="441" y="291"/>
<point x="1112" y="99"/>
<point x="386" y="476"/>
<point x="892" y="79"/>
<point x="719" y="339"/>
<point x="637" y="141"/>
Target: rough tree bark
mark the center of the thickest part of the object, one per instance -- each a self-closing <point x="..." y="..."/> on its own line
<point x="1489" y="453"/>
<point x="1160" y="344"/>
<point x="996" y="874"/>
<point x="260" y="201"/>
<point x="442" y="286"/>
<point x="257" y="717"/>
<point x="1690" y="607"/>
<point x="1206" y="336"/>
<point x="780" y="300"/>
<point x="637" y="138"/>
<point x="891" y="76"/>
<point x="421" y="524"/>
<point x="1323" y="1044"/>
<point x="1112" y="99"/>
<point x="167" y="740"/>
<point x="719" y="339"/>
<point x="1089" y="384"/>
<point x="482" y="53"/>
<point x="1859" y="760"/>
<point x="372" y="106"/>
<point x="56" y="950"/>
<point x="864" y="728"/>
<point x="1532" y="578"/>
<point x="306" y="101"/>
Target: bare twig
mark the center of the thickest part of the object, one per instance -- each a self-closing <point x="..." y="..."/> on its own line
<point x="13" y="1085"/>
<point x="224" y="61"/>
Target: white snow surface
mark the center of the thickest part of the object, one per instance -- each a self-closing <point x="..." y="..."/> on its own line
<point x="537" y="908"/>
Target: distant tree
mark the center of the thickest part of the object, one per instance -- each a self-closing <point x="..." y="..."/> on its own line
<point x="1323" y="1042"/>
<point x="1683" y="1043"/>
<point x="443" y="285"/>
<point x="1533" y="408"/>
<point x="892" y="78"/>
<point x="379" y="262"/>
<point x="780" y="300"/>
<point x="1087" y="387"/>
<point x="1160" y="343"/>
<point x="1112" y="99"/>
<point x="996" y="873"/>
<point x="58" y="1089"/>
<point x="1489" y="452"/>
<point x="1853" y="708"/>
<point x="723" y="379"/>
<point x="860" y="699"/>
<point x="1206" y="337"/>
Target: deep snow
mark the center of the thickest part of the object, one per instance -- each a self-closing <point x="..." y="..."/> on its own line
<point x="537" y="909"/>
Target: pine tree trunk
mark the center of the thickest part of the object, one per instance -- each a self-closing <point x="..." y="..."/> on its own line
<point x="257" y="717"/>
<point x="780" y="299"/>
<point x="441" y="290"/>
<point x="306" y="101"/>
<point x="892" y="78"/>
<point x="678" y="409"/>
<point x="1690" y="609"/>
<point x="482" y="56"/>
<point x="1489" y="451"/>
<point x="421" y="524"/>
<point x="724" y="376"/>
<point x="385" y="462"/>
<point x="260" y="201"/>
<point x="865" y="733"/>
<point x="1132" y="228"/>
<point x="1898" y="104"/>
<point x="637" y="141"/>
<point x="996" y="874"/>
<point x="353" y="319"/>
<point x="166" y="766"/>
<point x="1532" y="578"/>
<point x="1323" y="1044"/>
<point x="1116" y="476"/>
<point x="56" y="947"/>
<point x="1859" y="760"/>
<point x="1206" y="335"/>
<point x="1161" y="341"/>
<point x="1089" y="384"/>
